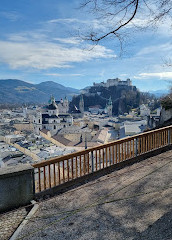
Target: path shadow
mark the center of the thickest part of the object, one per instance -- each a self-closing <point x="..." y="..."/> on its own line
<point x="159" y="230"/>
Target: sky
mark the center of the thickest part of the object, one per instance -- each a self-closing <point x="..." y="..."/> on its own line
<point x="40" y="41"/>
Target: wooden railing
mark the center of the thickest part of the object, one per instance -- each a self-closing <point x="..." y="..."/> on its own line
<point x="58" y="170"/>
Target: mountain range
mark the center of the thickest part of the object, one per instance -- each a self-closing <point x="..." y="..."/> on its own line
<point x="160" y="93"/>
<point x="17" y="91"/>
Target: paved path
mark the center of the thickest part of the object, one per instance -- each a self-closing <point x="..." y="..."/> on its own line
<point x="10" y="221"/>
<point x="132" y="203"/>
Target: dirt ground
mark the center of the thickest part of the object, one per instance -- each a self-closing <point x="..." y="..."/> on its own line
<point x="132" y="203"/>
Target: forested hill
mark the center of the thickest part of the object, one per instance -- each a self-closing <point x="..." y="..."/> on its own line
<point x="124" y="98"/>
<point x="17" y="91"/>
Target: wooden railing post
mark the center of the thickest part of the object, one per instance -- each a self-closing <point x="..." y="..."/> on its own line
<point x="136" y="146"/>
<point x="92" y="161"/>
<point x="169" y="136"/>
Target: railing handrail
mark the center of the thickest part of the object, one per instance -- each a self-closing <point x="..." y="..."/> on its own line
<point x="102" y="146"/>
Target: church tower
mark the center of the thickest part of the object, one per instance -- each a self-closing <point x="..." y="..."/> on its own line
<point x="109" y="107"/>
<point x="66" y="104"/>
<point x="52" y="108"/>
<point x="81" y="104"/>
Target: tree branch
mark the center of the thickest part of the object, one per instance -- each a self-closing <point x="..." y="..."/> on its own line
<point x="94" y="39"/>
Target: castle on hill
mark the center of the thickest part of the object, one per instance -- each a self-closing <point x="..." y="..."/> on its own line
<point x="114" y="82"/>
<point x="109" y="83"/>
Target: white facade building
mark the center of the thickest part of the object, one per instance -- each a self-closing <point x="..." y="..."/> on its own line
<point x="63" y="105"/>
<point x="109" y="107"/>
<point x="114" y="82"/>
<point x="144" y="111"/>
<point x="95" y="109"/>
<point x="158" y="111"/>
<point x="51" y="118"/>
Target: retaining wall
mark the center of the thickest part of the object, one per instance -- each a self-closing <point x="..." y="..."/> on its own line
<point x="16" y="186"/>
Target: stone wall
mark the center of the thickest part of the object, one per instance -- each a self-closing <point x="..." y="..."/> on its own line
<point x="16" y="186"/>
<point x="76" y="137"/>
<point x="1" y="138"/>
<point x="24" y="126"/>
<point x="165" y="115"/>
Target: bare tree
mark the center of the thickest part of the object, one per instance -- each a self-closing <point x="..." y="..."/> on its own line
<point x="168" y="62"/>
<point x="118" y="15"/>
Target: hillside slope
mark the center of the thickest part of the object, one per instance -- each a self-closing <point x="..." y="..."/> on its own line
<point x="17" y="91"/>
<point x="123" y="97"/>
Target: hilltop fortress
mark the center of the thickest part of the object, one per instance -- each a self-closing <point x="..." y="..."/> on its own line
<point x="109" y="83"/>
<point x="114" y="82"/>
<point x="124" y="96"/>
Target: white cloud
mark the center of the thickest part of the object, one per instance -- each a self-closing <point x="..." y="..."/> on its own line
<point x="11" y="15"/>
<point x="72" y="40"/>
<point x="64" y="75"/>
<point x="64" y="20"/>
<point x="102" y="73"/>
<point x="104" y="24"/>
<point x="159" y="48"/>
<point x="123" y="75"/>
<point x="45" y="55"/>
<point x="160" y="75"/>
<point x="17" y="38"/>
<point x="28" y="36"/>
<point x="94" y="24"/>
<point x="138" y="22"/>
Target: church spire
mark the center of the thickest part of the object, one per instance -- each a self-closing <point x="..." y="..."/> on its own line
<point x="109" y="106"/>
<point x="51" y="100"/>
<point x="81" y="104"/>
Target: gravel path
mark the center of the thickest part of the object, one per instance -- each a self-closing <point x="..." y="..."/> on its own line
<point x="132" y="203"/>
<point x="9" y="222"/>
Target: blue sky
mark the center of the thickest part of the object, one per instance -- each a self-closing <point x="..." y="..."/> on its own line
<point x="39" y="42"/>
